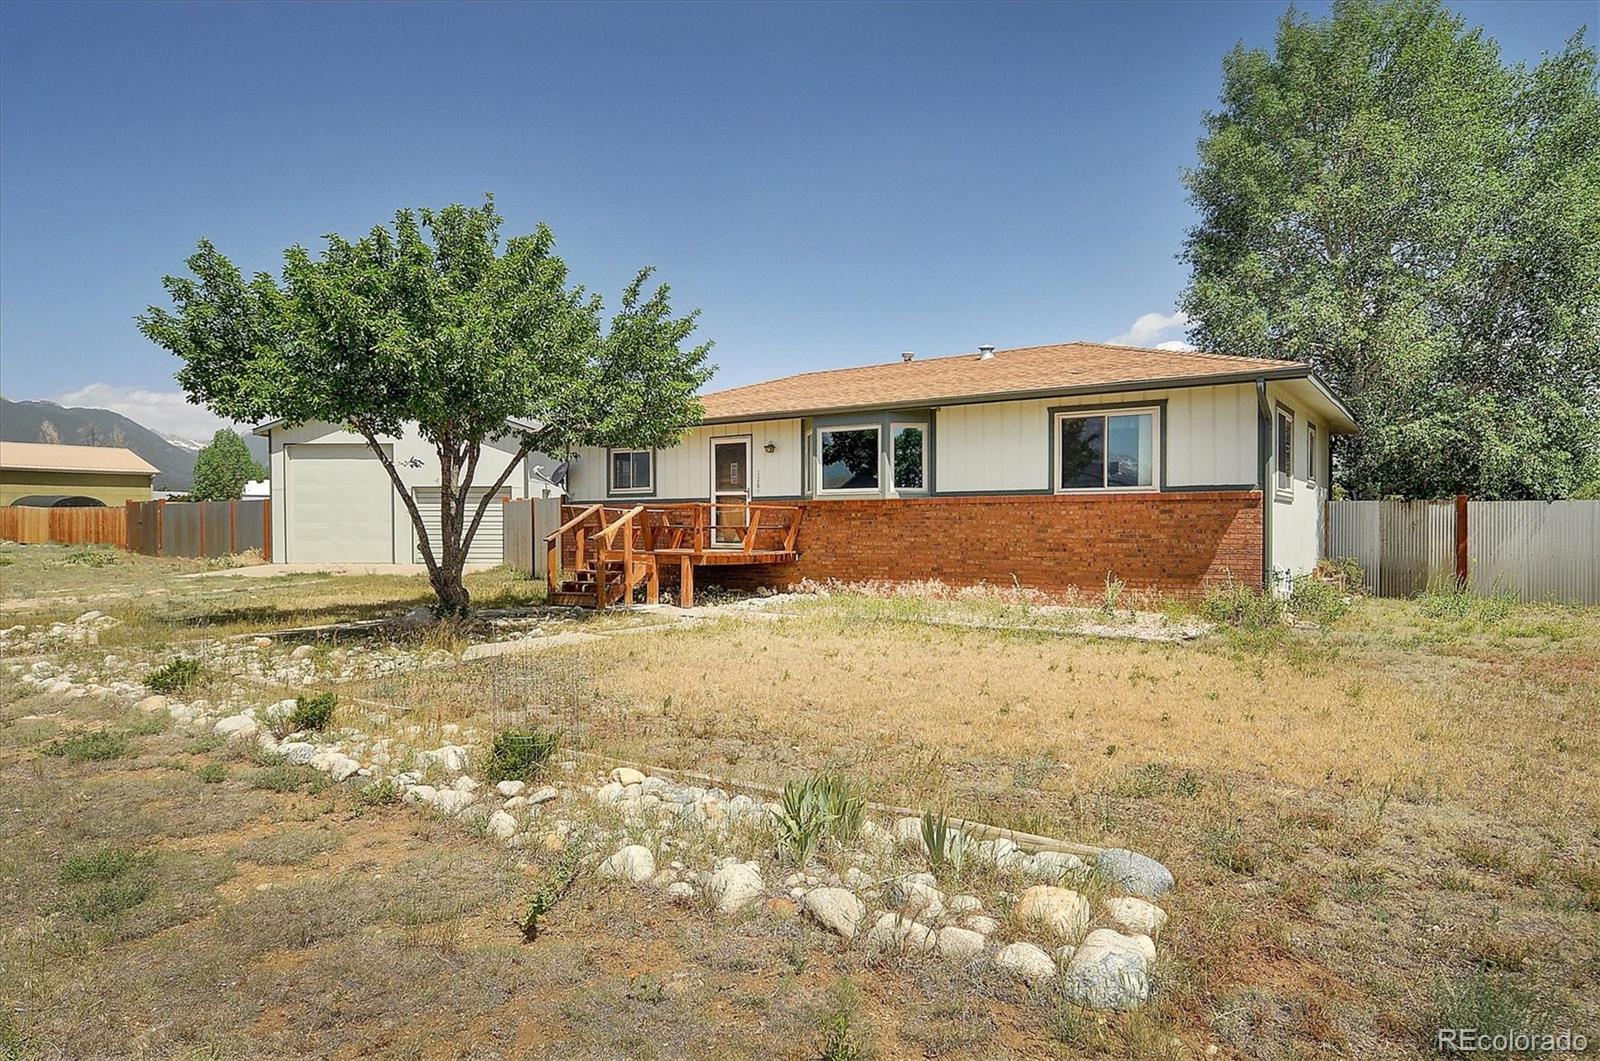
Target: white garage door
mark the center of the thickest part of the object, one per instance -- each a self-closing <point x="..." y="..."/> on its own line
<point x="339" y="505"/>
<point x="486" y="544"/>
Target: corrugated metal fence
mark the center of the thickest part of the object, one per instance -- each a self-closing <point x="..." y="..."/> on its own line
<point x="1536" y="550"/>
<point x="527" y="521"/>
<point x="199" y="528"/>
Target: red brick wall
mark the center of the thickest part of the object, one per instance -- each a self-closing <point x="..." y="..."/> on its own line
<point x="1173" y="543"/>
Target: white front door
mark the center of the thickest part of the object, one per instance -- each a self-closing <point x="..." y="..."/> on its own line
<point x="730" y="490"/>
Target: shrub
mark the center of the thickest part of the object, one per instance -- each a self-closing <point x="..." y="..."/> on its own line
<point x="1111" y="595"/>
<point x="106" y="863"/>
<point x="90" y="747"/>
<point x="312" y="712"/>
<point x="212" y="773"/>
<point x="378" y="793"/>
<point x="1322" y="602"/>
<point x="521" y="754"/>
<point x="93" y="557"/>
<point x="109" y="900"/>
<point x="1488" y="1004"/>
<point x="1244" y="606"/>
<point x="182" y="673"/>
<point x="287" y="778"/>
<point x="562" y="874"/>
<point x="1344" y="571"/>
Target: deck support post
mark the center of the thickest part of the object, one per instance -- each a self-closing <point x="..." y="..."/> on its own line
<point x="685" y="583"/>
<point x="652" y="587"/>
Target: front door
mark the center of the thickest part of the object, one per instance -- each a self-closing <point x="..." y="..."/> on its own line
<point x="730" y="490"/>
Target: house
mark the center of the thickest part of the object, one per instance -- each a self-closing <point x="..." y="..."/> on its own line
<point x="1052" y="467"/>
<point x="333" y="501"/>
<point x="43" y="475"/>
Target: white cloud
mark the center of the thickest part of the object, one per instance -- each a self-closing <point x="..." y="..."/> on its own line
<point x="169" y="412"/>
<point x="1162" y="331"/>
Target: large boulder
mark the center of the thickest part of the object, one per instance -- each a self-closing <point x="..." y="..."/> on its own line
<point x="1110" y="970"/>
<point x="1135" y="917"/>
<point x="1027" y="963"/>
<point x="835" y="909"/>
<point x="1058" y="910"/>
<point x="632" y="863"/>
<point x="1134" y="873"/>
<point x="735" y="886"/>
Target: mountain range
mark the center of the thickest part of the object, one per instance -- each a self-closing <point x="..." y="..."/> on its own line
<point x="39" y="421"/>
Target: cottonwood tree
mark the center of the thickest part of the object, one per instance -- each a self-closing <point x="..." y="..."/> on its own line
<point x="1383" y="197"/>
<point x="223" y="467"/>
<point x="434" y="323"/>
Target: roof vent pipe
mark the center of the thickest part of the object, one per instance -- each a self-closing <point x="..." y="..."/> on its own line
<point x="986" y="352"/>
<point x="907" y="355"/>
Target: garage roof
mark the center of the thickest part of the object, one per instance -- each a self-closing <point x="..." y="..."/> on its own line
<point x="46" y="457"/>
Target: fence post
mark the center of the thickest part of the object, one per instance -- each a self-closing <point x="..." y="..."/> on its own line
<point x="1461" y="541"/>
<point x="266" y="530"/>
<point x="161" y="527"/>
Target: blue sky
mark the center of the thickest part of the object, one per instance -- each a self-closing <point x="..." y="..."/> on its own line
<point x="829" y="184"/>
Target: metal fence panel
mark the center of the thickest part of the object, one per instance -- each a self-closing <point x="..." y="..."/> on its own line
<point x="1539" y="550"/>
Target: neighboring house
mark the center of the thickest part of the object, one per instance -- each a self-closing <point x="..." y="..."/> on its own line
<point x="258" y="488"/>
<point x="43" y="475"/>
<point x="333" y="502"/>
<point x="1051" y="466"/>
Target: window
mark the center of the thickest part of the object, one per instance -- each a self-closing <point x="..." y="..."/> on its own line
<point x="1106" y="451"/>
<point x="910" y="457"/>
<point x="849" y="459"/>
<point x="1285" y="449"/>
<point x="1311" y="453"/>
<point x="632" y="471"/>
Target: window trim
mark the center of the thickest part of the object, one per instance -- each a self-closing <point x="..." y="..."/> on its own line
<point x="1157" y="414"/>
<point x="894" y="428"/>
<point x="611" y="471"/>
<point x="1311" y="453"/>
<point x="1283" y="477"/>
<point x="854" y="491"/>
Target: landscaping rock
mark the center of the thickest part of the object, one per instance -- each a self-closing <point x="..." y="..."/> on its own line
<point x="451" y="802"/>
<point x="1059" y="910"/>
<point x="502" y="825"/>
<point x="301" y="652"/>
<point x="608" y="793"/>
<point x="542" y="795"/>
<point x="419" y="794"/>
<point x="964" y="904"/>
<point x="627" y="775"/>
<point x="1053" y="865"/>
<point x="297" y="753"/>
<point x="998" y="852"/>
<point x="452" y="758"/>
<point x="735" y="886"/>
<point x="154" y="704"/>
<point x="1134" y="873"/>
<point x="983" y="924"/>
<point x="510" y="788"/>
<point x="920" y="899"/>
<point x="680" y="892"/>
<point x="960" y="944"/>
<point x="1027" y="963"/>
<point x="892" y="932"/>
<point x="908" y="832"/>
<point x="1135" y="917"/>
<point x="835" y="909"/>
<point x="1110" y="970"/>
<point x="237" y="727"/>
<point x="634" y="863"/>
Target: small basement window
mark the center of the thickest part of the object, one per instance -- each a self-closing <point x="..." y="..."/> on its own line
<point x="849" y="459"/>
<point x="910" y="457"/>
<point x="1106" y="451"/>
<point x="632" y="471"/>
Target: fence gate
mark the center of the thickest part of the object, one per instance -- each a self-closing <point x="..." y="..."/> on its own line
<point x="527" y="521"/>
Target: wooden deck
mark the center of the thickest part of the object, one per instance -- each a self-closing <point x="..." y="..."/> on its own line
<point x="616" y="550"/>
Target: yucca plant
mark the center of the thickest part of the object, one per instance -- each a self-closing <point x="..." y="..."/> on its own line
<point x="946" y="843"/>
<point x="846" y="806"/>
<point x="803" y="818"/>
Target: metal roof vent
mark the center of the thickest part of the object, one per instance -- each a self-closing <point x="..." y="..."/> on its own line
<point x="907" y="355"/>
<point x="986" y="352"/>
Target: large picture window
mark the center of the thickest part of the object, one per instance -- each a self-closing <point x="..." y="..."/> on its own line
<point x="849" y="459"/>
<point x="1106" y="451"/>
<point x="632" y="471"/>
<point x="910" y="457"/>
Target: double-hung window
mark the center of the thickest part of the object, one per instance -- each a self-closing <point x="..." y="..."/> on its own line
<point x="849" y="459"/>
<point x="1311" y="453"/>
<point x="632" y="471"/>
<point x="910" y="457"/>
<point x="1285" y="453"/>
<point x="1107" y="451"/>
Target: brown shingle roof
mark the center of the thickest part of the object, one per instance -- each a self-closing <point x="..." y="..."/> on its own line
<point x="1063" y="367"/>
<point x="45" y="457"/>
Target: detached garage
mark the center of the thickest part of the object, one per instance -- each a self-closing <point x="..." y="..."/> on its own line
<point x="333" y="501"/>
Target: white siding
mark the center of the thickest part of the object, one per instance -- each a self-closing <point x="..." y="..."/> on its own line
<point x="683" y="472"/>
<point x="1297" y="525"/>
<point x="998" y="446"/>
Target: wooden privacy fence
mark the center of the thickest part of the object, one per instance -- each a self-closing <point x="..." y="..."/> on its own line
<point x="198" y="529"/>
<point x="527" y="522"/>
<point x="70" y="526"/>
<point x="1534" y="550"/>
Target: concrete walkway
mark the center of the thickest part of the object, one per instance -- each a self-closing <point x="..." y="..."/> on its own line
<point x="274" y="570"/>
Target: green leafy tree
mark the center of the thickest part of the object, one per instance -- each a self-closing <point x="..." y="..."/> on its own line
<point x="433" y="322"/>
<point x="1383" y="197"/>
<point x="223" y="467"/>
